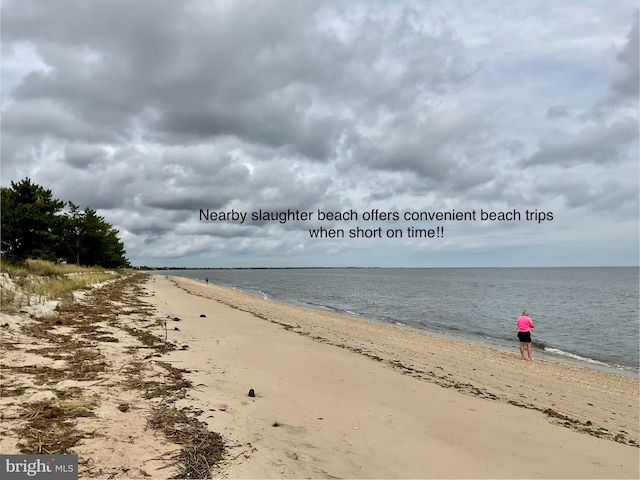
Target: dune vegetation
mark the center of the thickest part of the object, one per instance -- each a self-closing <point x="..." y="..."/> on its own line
<point x="36" y="281"/>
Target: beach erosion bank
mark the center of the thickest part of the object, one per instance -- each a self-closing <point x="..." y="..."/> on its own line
<point x="333" y="396"/>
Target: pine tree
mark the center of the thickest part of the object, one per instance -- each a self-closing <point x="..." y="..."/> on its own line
<point x="33" y="226"/>
<point x="30" y="221"/>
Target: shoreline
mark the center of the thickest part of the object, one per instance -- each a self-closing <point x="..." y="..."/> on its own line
<point x="274" y="311"/>
<point x="596" y="409"/>
<point x="566" y="358"/>
<point x="333" y="396"/>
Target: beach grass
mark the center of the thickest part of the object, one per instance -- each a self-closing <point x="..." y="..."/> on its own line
<point x="36" y="281"/>
<point x="44" y="268"/>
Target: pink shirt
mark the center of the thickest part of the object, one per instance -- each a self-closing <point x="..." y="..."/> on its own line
<point x="524" y="324"/>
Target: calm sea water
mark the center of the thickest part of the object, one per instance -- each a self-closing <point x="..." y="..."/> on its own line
<point x="584" y="315"/>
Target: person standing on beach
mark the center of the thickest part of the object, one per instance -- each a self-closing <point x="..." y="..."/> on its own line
<point x="525" y="325"/>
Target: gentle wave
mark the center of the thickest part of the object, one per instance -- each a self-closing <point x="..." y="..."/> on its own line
<point x="557" y="351"/>
<point x="474" y="304"/>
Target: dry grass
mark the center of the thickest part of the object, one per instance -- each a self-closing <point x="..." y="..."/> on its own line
<point x="9" y="390"/>
<point x="171" y="386"/>
<point x="55" y="286"/>
<point x="44" y="268"/>
<point x="38" y="281"/>
<point x="69" y="335"/>
<point x="49" y="429"/>
<point x="201" y="449"/>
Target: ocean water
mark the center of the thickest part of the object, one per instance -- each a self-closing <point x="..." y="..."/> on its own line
<point x="587" y="315"/>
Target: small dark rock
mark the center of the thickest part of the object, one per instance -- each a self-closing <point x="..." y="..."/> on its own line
<point x="202" y="315"/>
<point x="176" y="319"/>
<point x="275" y="424"/>
<point x="252" y="393"/>
<point x="123" y="407"/>
<point x="176" y="328"/>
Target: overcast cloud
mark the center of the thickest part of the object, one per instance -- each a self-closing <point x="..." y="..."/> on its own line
<point x="151" y="110"/>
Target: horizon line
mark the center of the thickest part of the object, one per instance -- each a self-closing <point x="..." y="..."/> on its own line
<point x="147" y="267"/>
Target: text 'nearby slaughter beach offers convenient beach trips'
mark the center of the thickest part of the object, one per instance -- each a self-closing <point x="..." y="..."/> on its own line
<point x="155" y="376"/>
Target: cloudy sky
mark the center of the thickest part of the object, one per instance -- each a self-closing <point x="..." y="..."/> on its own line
<point x="151" y="110"/>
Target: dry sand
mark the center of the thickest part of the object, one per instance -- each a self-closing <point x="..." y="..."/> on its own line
<point x="80" y="376"/>
<point x="335" y="396"/>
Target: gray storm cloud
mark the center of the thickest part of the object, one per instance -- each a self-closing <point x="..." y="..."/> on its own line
<point x="151" y="110"/>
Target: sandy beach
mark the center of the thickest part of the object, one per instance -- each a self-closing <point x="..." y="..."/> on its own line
<point x="334" y="396"/>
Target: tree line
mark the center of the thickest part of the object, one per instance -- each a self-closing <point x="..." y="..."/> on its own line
<point x="37" y="225"/>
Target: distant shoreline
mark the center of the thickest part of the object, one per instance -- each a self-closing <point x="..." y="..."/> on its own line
<point x="152" y="269"/>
